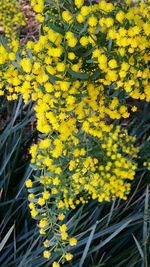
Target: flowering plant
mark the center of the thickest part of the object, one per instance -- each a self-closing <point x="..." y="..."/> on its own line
<point x="82" y="73"/>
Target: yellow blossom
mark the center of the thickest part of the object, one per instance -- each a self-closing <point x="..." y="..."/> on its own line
<point x="68" y="256"/>
<point x="46" y="254"/>
<point x="72" y="241"/>
<point x="29" y="183"/>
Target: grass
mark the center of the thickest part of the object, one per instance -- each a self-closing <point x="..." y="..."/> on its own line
<point x="16" y="228"/>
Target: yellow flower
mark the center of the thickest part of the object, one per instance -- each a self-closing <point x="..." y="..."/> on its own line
<point x="34" y="212"/>
<point x="134" y="108"/>
<point x="92" y="21"/>
<point x="56" y="181"/>
<point x="42" y="232"/>
<point x="43" y="223"/>
<point x="120" y="16"/>
<point x="38" y="7"/>
<point x="61" y="216"/>
<point x="72" y="42"/>
<point x="72" y="241"/>
<point x="79" y="3"/>
<point x="80" y="18"/>
<point x="29" y="183"/>
<point x="46" y="142"/>
<point x="85" y="10"/>
<point x="67" y="16"/>
<point x="109" y="22"/>
<point x="54" y="191"/>
<point x="64" y="235"/>
<point x="26" y="64"/>
<point x="46" y="195"/>
<point x="63" y="227"/>
<point x="102" y="59"/>
<point x="71" y="56"/>
<point x="46" y="254"/>
<point x="46" y="243"/>
<point x="55" y="264"/>
<point x="12" y="56"/>
<point x="31" y="205"/>
<point x="41" y="201"/>
<point x="69" y="256"/>
<point x="146" y="28"/>
<point x="47" y="162"/>
<point x="31" y="196"/>
<point x="107" y="7"/>
<point x="1" y="92"/>
<point x="60" y="66"/>
<point x="84" y="41"/>
<point x="40" y="18"/>
<point x="112" y="64"/>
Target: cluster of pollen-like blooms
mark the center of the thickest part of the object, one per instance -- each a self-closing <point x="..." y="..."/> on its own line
<point x="11" y="18"/>
<point x="38" y="7"/>
<point x="83" y="73"/>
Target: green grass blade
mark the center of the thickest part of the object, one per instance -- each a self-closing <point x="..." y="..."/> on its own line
<point x="85" y="252"/>
<point x="4" y="241"/>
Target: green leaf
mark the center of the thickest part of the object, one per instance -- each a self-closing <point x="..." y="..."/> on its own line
<point x="56" y="28"/>
<point x="3" y="242"/>
<point x="85" y="252"/>
<point x="4" y="41"/>
<point x="95" y="75"/>
<point x="108" y="239"/>
<point x="146" y="216"/>
<point x="139" y="248"/>
<point x="109" y="45"/>
<point x="78" y="75"/>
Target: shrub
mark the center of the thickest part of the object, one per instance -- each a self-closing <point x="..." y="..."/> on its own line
<point x="82" y="73"/>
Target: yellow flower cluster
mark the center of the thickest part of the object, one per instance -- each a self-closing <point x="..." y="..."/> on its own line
<point x="75" y="169"/>
<point x="84" y="166"/>
<point x="110" y="55"/>
<point x="38" y="7"/>
<point x="82" y="73"/>
<point x="11" y="18"/>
